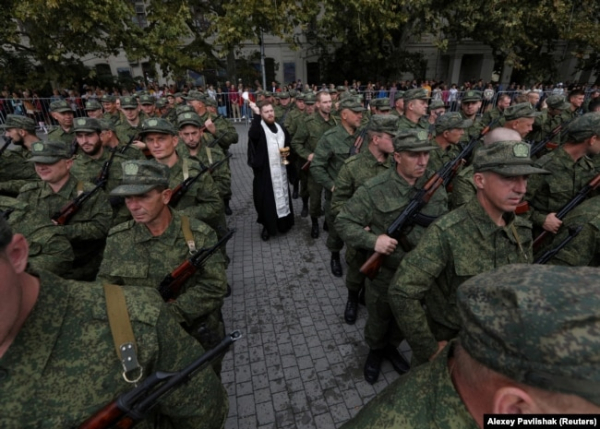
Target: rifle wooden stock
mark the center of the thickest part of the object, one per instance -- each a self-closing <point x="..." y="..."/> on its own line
<point x="69" y="210"/>
<point x="132" y="407"/>
<point x="575" y="201"/>
<point x="306" y="166"/>
<point x="549" y="254"/>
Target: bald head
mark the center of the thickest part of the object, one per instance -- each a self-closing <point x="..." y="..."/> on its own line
<point x="501" y="134"/>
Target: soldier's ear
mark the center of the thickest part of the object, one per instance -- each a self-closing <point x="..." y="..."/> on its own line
<point x="17" y="251"/>
<point x="514" y="400"/>
<point x="479" y="180"/>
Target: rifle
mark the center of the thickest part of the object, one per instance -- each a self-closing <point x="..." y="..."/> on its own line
<point x="129" y="143"/>
<point x="7" y="142"/>
<point x="183" y="187"/>
<point x="575" y="201"/>
<point x="549" y="254"/>
<point x="362" y="135"/>
<point x="64" y="215"/>
<point x="171" y="285"/>
<point x="74" y="146"/>
<point x="411" y="213"/>
<point x="215" y="141"/>
<point x="103" y="176"/>
<point x="134" y="406"/>
<point x="545" y="142"/>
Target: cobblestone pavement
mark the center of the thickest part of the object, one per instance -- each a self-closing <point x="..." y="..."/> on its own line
<point x="298" y="365"/>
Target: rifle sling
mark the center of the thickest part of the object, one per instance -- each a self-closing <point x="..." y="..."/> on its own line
<point x="122" y="332"/>
<point x="79" y="188"/>
<point x="209" y="155"/>
<point x="187" y="234"/>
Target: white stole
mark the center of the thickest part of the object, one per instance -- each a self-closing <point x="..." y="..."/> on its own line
<point x="279" y="180"/>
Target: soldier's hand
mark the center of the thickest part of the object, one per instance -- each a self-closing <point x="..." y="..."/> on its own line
<point x="552" y="223"/>
<point x="310" y="157"/>
<point x="441" y="345"/>
<point x="385" y="244"/>
<point x="139" y="144"/>
<point x="210" y="126"/>
<point x="358" y="143"/>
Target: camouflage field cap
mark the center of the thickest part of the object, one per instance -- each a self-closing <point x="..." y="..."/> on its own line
<point x="189" y="118"/>
<point x="382" y="103"/>
<point x="536" y="324"/>
<point x="556" y="101"/>
<point x="584" y="127"/>
<point x="49" y="152"/>
<point x="267" y="94"/>
<point x="344" y="95"/>
<point x="300" y="96"/>
<point x="333" y="91"/>
<point x="140" y="177"/>
<point x="93" y="105"/>
<point x="182" y="108"/>
<point x="384" y="124"/>
<point x="161" y="103"/>
<point x="521" y="110"/>
<point x="86" y="125"/>
<point x="310" y="98"/>
<point x="351" y="103"/>
<point x="451" y="121"/>
<point x="507" y="158"/>
<point x="178" y="94"/>
<point x="471" y="96"/>
<point x="436" y="104"/>
<point x="283" y="94"/>
<point x="398" y="95"/>
<point x="60" y="106"/>
<point x="411" y="140"/>
<point x="18" y="121"/>
<point x="415" y="94"/>
<point x="293" y="93"/>
<point x="107" y="125"/>
<point x="128" y="102"/>
<point x="157" y="125"/>
<point x="340" y="88"/>
<point x="209" y="101"/>
<point x="147" y="99"/>
<point x="106" y="98"/>
<point x="195" y="95"/>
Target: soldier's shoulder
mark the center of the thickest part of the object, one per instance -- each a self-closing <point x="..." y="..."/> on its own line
<point x="546" y="159"/>
<point x="330" y="132"/>
<point x="197" y="225"/>
<point x="453" y="218"/>
<point x="125" y="227"/>
<point x="523" y="222"/>
<point x="379" y="180"/>
<point x="31" y="186"/>
<point x="352" y="161"/>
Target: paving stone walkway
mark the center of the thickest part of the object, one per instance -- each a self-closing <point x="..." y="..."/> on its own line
<point x="298" y="365"/>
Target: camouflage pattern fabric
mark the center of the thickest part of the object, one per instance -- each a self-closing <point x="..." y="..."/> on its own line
<point x="60" y="134"/>
<point x="63" y="363"/>
<point x="226" y="132"/>
<point x="15" y="171"/>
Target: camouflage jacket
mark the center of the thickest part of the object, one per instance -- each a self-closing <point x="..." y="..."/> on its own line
<point x="88" y="169"/>
<point x="377" y="204"/>
<point x="59" y="134"/>
<point x="331" y="152"/>
<point x="49" y="248"/>
<point x="114" y="118"/>
<point x="405" y="123"/>
<point x="63" y="363"/>
<point x="86" y="230"/>
<point x="309" y="131"/>
<point x="458" y="246"/>
<point x="423" y="398"/>
<point x="133" y="256"/>
<point x="226" y="133"/>
<point x="438" y="157"/>
<point x="281" y="113"/>
<point x="125" y="131"/>
<point x="548" y="193"/>
<point x="207" y="156"/>
<point x="16" y="171"/>
<point x="473" y="131"/>
<point x="201" y="201"/>
<point x="463" y="188"/>
<point x="292" y="120"/>
<point x="355" y="172"/>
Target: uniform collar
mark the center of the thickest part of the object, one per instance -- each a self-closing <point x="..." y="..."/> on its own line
<point x="142" y="233"/>
<point x="484" y="223"/>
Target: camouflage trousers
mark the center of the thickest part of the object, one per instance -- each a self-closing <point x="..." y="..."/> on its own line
<point x="209" y="331"/>
<point x="355" y="280"/>
<point x="381" y="328"/>
<point x="303" y="175"/>
<point x="334" y="242"/>
<point x="314" y="193"/>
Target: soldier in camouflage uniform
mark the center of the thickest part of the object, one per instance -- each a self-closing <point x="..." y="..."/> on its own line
<point x="148" y="105"/>
<point x="449" y="129"/>
<point x="304" y="143"/>
<point x="132" y="123"/>
<point x="554" y="371"/>
<point x="15" y="171"/>
<point x="143" y="251"/>
<point x="548" y="120"/>
<point x="479" y="236"/>
<point x="415" y="109"/>
<point x="497" y="112"/>
<point x="201" y="200"/>
<point x="334" y="147"/>
<point x="93" y="109"/>
<point x="292" y="119"/>
<point x="398" y="109"/>
<point x="63" y="114"/>
<point x="469" y="108"/>
<point x="111" y="112"/>
<point x="373" y="160"/>
<point x="49" y="248"/>
<point x="284" y="108"/>
<point x="88" y="228"/>
<point x="376" y="205"/>
<point x="110" y="140"/>
<point x="520" y="117"/>
<point x="436" y="109"/>
<point x="571" y="169"/>
<point x="58" y="363"/>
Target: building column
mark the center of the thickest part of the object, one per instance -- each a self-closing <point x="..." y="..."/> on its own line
<point x="454" y="69"/>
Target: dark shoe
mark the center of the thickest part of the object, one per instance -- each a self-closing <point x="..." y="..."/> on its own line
<point x="265" y="234"/>
<point x="398" y="362"/>
<point x="336" y="265"/>
<point x="361" y="296"/>
<point x="325" y="226"/>
<point x="314" y="232"/>
<point x="228" y="211"/>
<point x="295" y="193"/>
<point x="351" y="311"/>
<point x="228" y="293"/>
<point x="304" y="211"/>
<point x="372" y="366"/>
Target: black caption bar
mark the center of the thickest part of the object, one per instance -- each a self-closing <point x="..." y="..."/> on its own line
<point x="534" y="421"/>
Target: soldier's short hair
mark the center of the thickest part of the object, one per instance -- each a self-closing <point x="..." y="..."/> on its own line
<point x="5" y="233"/>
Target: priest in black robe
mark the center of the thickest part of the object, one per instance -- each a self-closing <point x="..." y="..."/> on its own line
<point x="270" y="189"/>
